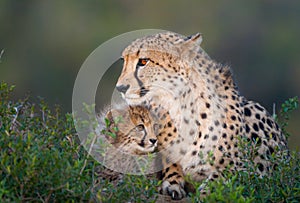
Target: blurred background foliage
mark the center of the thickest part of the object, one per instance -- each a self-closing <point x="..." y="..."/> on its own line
<point x="45" y="43"/>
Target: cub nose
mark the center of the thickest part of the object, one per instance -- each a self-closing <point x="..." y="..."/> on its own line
<point x="122" y="88"/>
<point x="153" y="141"/>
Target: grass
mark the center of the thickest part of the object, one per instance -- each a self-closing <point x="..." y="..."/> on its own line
<point x="41" y="160"/>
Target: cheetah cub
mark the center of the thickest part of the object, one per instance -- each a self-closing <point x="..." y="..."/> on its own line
<point x="127" y="138"/>
<point x="141" y="130"/>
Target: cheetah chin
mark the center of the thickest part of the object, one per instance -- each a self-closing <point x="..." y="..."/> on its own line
<point x="134" y="100"/>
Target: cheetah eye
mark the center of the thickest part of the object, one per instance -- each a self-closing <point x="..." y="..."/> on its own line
<point x="142" y="62"/>
<point x="140" y="127"/>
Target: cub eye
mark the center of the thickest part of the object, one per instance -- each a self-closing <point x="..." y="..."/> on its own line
<point x="140" y="127"/>
<point x="156" y="128"/>
<point x="142" y="62"/>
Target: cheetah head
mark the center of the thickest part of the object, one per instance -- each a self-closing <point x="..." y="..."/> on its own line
<point x="157" y="65"/>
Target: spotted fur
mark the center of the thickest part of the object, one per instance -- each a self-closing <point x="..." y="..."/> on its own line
<point x="171" y="72"/>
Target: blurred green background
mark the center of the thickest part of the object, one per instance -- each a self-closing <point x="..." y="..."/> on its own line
<point x="45" y="42"/>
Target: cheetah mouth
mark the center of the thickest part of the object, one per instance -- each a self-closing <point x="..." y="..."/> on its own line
<point x="132" y="100"/>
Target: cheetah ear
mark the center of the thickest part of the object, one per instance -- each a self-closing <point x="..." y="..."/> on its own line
<point x="192" y="41"/>
<point x="195" y="39"/>
<point x="189" y="46"/>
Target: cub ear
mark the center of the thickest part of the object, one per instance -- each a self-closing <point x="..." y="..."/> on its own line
<point x="109" y="116"/>
<point x="110" y="125"/>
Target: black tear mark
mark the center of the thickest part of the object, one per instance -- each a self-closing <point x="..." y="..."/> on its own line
<point x="143" y="90"/>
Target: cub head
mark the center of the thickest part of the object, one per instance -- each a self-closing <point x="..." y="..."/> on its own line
<point x="131" y="130"/>
<point x="157" y="65"/>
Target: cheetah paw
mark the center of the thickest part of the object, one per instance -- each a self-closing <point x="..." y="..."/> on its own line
<point x="176" y="191"/>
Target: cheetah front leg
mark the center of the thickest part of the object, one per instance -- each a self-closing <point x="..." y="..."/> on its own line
<point x="173" y="181"/>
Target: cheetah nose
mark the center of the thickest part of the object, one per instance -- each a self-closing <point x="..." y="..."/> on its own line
<point x="122" y="88"/>
<point x="153" y="141"/>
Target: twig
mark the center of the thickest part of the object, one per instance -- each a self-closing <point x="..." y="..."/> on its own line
<point x="15" y="116"/>
<point x="274" y="110"/>
<point x="89" y="152"/>
<point x="1" y="54"/>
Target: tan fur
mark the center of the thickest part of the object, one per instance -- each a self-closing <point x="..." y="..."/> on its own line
<point x="202" y="102"/>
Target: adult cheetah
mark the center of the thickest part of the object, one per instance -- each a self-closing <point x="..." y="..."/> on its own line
<point x="171" y="71"/>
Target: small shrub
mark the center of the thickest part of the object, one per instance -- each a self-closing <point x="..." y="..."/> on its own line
<point x="40" y="158"/>
<point x="286" y="109"/>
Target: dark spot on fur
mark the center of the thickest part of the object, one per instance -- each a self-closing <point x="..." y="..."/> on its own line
<point x="224" y="135"/>
<point x="255" y="138"/>
<point x="217" y="123"/>
<point x="192" y="132"/>
<point x="247" y="112"/>
<point x="255" y="127"/>
<point x="269" y="122"/>
<point x="261" y="126"/>
<point x="236" y="154"/>
<point x="258" y="107"/>
<point x="260" y="167"/>
<point x="182" y="152"/>
<point x="247" y="128"/>
<point x="271" y="149"/>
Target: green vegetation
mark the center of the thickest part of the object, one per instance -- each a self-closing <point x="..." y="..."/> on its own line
<point x="41" y="160"/>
